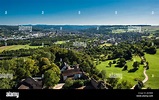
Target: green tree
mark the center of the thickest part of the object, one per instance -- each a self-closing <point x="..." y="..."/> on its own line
<point x="78" y="83"/>
<point x="74" y="63"/>
<point x="6" y="83"/>
<point x="110" y="63"/>
<point x="50" y="78"/>
<point x="44" y="68"/>
<point x="30" y="66"/>
<point x="136" y="64"/>
<point x="103" y="73"/>
<point x="121" y="62"/>
<point x="68" y="83"/>
<point x="44" y="61"/>
<point x="20" y="73"/>
<point x="112" y="81"/>
<point x="150" y="50"/>
<point x="85" y="66"/>
<point x="125" y="67"/>
<point x="124" y="85"/>
<point x="56" y="69"/>
<point x="53" y="57"/>
<point x="114" y="61"/>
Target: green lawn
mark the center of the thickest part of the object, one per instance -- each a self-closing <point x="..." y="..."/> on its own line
<point x="16" y="47"/>
<point x="125" y="74"/>
<point x="153" y="72"/>
<point x="60" y="42"/>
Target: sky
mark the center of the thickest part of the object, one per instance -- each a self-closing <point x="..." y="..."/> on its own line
<point x="79" y="12"/>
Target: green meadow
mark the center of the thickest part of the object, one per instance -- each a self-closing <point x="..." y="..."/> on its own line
<point x="129" y="76"/>
<point x="16" y="47"/>
<point x="153" y="71"/>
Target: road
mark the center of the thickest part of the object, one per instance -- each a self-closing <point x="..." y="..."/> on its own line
<point x="58" y="86"/>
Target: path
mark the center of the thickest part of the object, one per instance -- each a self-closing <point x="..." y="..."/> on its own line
<point x="146" y="76"/>
<point x="58" y="86"/>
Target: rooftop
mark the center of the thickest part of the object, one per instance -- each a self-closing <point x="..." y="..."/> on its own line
<point x="71" y="72"/>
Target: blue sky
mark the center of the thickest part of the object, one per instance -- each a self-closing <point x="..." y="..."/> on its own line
<point x="79" y="12"/>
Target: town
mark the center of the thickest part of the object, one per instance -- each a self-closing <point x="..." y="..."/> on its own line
<point x="79" y="57"/>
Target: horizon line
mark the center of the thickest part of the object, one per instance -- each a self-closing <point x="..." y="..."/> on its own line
<point x="77" y="24"/>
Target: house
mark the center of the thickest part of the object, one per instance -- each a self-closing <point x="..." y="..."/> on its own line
<point x="65" y="67"/>
<point x="73" y="72"/>
<point x="30" y="83"/>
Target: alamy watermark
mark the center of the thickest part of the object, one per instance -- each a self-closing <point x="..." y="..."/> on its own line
<point x="115" y="75"/>
<point x="134" y="28"/>
<point x="25" y="28"/>
<point x="3" y="75"/>
<point x="12" y="94"/>
<point x="79" y="44"/>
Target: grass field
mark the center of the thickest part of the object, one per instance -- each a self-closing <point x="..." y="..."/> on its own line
<point x="60" y="42"/>
<point x="105" y="44"/>
<point x="16" y="47"/>
<point x="129" y="76"/>
<point x="153" y="72"/>
<point x="118" y="31"/>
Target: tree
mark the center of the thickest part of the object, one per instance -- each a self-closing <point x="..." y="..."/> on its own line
<point x="136" y="64"/>
<point x="74" y="63"/>
<point x="46" y="55"/>
<point x="21" y="73"/>
<point x="56" y="69"/>
<point x="53" y="57"/>
<point x="68" y="83"/>
<point x="44" y="61"/>
<point x="95" y="71"/>
<point x="139" y="85"/>
<point x="142" y="62"/>
<point x="150" y="50"/>
<point x="66" y="60"/>
<point x="110" y="63"/>
<point x="85" y="66"/>
<point x="26" y="67"/>
<point x="44" y="68"/>
<point x="125" y="67"/>
<point x="6" y="83"/>
<point x="103" y="73"/>
<point x="121" y="62"/>
<point x="114" y="61"/>
<point x="30" y="66"/>
<point x="124" y="85"/>
<point x="148" y="87"/>
<point x="95" y="77"/>
<point x="78" y="83"/>
<point x="50" y="78"/>
<point x="140" y="52"/>
<point x="147" y="65"/>
<point x="128" y="55"/>
<point x="112" y="81"/>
